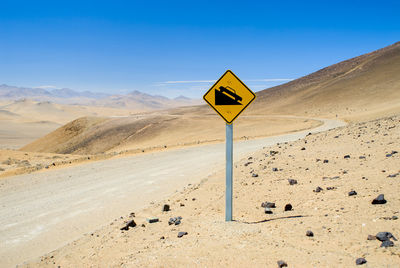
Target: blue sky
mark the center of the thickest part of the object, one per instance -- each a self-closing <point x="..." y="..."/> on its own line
<point x="179" y="47"/>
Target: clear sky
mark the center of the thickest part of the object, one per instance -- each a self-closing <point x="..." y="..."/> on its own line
<point x="179" y="47"/>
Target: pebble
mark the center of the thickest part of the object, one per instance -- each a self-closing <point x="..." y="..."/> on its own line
<point x="274" y="169"/>
<point x="180" y="234"/>
<point x="254" y="175"/>
<point x="303" y="149"/>
<point x="346" y="156"/>
<point x="326" y="161"/>
<point x="268" y="205"/>
<point x="361" y="261"/>
<point x="309" y="233"/>
<point x="385" y="236"/>
<point x="386" y="244"/>
<point x="288" y="207"/>
<point x="292" y="181"/>
<point x="152" y="220"/>
<point x="351" y="193"/>
<point x="318" y="189"/>
<point x="371" y="237"/>
<point x="281" y="264"/>
<point x="166" y="208"/>
<point x="268" y="211"/>
<point x="131" y="223"/>
<point x="379" y="200"/>
<point x="175" y="220"/>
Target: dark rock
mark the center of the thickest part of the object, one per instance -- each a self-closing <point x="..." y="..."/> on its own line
<point x="131" y="223"/>
<point x="281" y="264"/>
<point x="371" y="237"/>
<point x="288" y="207"/>
<point x="386" y="244"/>
<point x="248" y="163"/>
<point x="309" y="233"/>
<point x="180" y="234"/>
<point x="361" y="157"/>
<point x="175" y="220"/>
<point x="346" y="156"/>
<point x="388" y="155"/>
<point x="385" y="236"/>
<point x="162" y="237"/>
<point x="379" y="200"/>
<point x="351" y="193"/>
<point x="274" y="169"/>
<point x="326" y="161"/>
<point x="318" y="189"/>
<point x="292" y="181"/>
<point x="393" y="175"/>
<point x="268" y="211"/>
<point x="152" y="220"/>
<point x="268" y="205"/>
<point x="330" y="188"/>
<point x="361" y="261"/>
<point x="182" y="205"/>
<point x="303" y="149"/>
<point x="254" y="175"/>
<point x="165" y="208"/>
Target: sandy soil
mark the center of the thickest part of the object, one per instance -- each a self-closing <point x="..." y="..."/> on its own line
<point x="340" y="223"/>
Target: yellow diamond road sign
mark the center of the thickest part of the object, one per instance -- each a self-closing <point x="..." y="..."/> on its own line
<point x="229" y="96"/>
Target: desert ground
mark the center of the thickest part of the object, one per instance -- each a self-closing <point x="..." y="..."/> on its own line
<point x="360" y="157"/>
<point x="79" y="174"/>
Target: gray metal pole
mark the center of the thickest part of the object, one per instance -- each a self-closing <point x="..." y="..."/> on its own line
<point x="229" y="160"/>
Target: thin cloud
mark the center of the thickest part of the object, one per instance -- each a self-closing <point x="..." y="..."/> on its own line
<point x="212" y="81"/>
<point x="47" y="87"/>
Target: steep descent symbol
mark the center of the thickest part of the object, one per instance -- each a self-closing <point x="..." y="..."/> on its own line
<point x="227" y="96"/>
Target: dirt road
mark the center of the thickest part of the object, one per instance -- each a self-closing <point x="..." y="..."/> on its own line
<point x="43" y="211"/>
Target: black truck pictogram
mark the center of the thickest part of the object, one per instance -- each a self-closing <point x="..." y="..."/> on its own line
<point x="227" y="96"/>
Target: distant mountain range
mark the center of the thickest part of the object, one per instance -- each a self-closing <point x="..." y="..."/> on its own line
<point x="135" y="100"/>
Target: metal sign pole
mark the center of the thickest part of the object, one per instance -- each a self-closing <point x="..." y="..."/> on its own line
<point x="229" y="160"/>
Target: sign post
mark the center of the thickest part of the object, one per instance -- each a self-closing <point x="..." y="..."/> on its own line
<point x="229" y="97"/>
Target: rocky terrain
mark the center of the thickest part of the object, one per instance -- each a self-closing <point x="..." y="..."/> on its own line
<point x="329" y="200"/>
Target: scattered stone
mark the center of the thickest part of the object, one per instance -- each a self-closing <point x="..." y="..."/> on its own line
<point x="351" y="193"/>
<point x="393" y="175"/>
<point x="303" y="149"/>
<point x="330" y="188"/>
<point x="162" y="237"/>
<point x="248" y="163"/>
<point x="309" y="233"/>
<point x="385" y="236"/>
<point x="386" y="244"/>
<point x="268" y="205"/>
<point x="166" y="208"/>
<point x="274" y="169"/>
<point x="371" y="237"/>
<point x="182" y="205"/>
<point x="180" y="234"/>
<point x="318" y="189"/>
<point x="346" y="156"/>
<point x="292" y="181"/>
<point x="361" y="157"/>
<point x="254" y="175"/>
<point x="175" y="220"/>
<point x="326" y="161"/>
<point x="132" y="214"/>
<point x="379" y="200"/>
<point x="281" y="264"/>
<point x="268" y="211"/>
<point x="288" y="207"/>
<point x="131" y="223"/>
<point x="361" y="261"/>
<point x="152" y="220"/>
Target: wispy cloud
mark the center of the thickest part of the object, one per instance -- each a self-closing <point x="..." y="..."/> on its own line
<point x="212" y="81"/>
<point x="47" y="87"/>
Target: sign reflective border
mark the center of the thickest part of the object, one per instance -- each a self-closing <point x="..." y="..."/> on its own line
<point x="229" y="96"/>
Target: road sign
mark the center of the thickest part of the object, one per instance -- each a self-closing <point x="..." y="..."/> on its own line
<point x="229" y="96"/>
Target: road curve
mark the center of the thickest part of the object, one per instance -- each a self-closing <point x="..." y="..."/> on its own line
<point x="42" y="211"/>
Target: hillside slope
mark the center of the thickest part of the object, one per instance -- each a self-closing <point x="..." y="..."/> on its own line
<point x="367" y="86"/>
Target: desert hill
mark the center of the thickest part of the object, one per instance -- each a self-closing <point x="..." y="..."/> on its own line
<point x="367" y="86"/>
